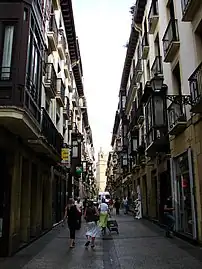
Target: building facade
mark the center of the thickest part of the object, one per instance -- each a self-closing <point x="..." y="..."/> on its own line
<point x="156" y="134"/>
<point x="40" y="75"/>
<point x="101" y="166"/>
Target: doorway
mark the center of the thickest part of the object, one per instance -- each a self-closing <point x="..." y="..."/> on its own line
<point x="145" y="196"/>
<point x="5" y="187"/>
<point x="185" y="196"/>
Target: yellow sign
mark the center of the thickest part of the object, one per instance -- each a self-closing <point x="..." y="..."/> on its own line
<point x="65" y="154"/>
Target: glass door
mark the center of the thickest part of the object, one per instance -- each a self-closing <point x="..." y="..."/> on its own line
<point x="185" y="215"/>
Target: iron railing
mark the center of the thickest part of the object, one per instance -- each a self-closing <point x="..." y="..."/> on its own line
<point x="49" y="131"/>
<point x="177" y="111"/>
<point x="171" y="35"/>
<point x="157" y="67"/>
<point x="62" y="41"/>
<point x="195" y="84"/>
<point x="154" y="10"/>
<point x="145" y="41"/>
<point x="185" y="4"/>
<point x="61" y="89"/>
<point x="53" y="27"/>
<point x="50" y="76"/>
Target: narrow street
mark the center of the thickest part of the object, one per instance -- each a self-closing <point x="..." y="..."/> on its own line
<point x="140" y="244"/>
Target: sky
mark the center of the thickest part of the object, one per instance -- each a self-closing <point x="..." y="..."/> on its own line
<point x="103" y="28"/>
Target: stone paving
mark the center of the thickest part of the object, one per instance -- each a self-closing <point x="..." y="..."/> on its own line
<point x="140" y="245"/>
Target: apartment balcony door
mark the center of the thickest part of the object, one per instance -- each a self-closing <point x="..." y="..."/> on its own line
<point x="184" y="198"/>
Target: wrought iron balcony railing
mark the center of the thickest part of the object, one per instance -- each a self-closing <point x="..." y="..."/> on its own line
<point x="170" y="37"/>
<point x="157" y="68"/>
<point x="49" y="131"/>
<point x="189" y="9"/>
<point x="195" y="84"/>
<point x="53" y="29"/>
<point x="177" y="113"/>
<point x="153" y="16"/>
<point x="50" y="78"/>
<point x="60" y="91"/>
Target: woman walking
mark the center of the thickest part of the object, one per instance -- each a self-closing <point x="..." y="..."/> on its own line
<point x="71" y="213"/>
<point x="91" y="216"/>
<point x="117" y="206"/>
<point x="104" y="214"/>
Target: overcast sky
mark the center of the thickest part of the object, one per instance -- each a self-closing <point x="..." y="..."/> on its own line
<point x="103" y="28"/>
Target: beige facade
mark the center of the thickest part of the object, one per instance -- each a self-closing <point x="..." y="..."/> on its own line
<point x="164" y="46"/>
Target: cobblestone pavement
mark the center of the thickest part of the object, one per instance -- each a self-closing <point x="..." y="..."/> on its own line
<point x="140" y="244"/>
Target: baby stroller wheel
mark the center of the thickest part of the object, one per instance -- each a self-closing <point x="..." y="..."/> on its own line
<point x="117" y="232"/>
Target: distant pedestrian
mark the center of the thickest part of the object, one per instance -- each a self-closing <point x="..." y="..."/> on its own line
<point x="104" y="214"/>
<point x="71" y="213"/>
<point x="117" y="206"/>
<point x="79" y="208"/>
<point x="91" y="216"/>
<point x="125" y="204"/>
<point x="169" y="218"/>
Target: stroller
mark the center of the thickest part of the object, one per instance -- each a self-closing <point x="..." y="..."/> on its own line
<point x="112" y="225"/>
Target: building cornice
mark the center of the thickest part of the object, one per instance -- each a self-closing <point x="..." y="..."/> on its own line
<point x="73" y="44"/>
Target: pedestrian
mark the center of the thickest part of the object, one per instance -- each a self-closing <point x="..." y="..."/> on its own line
<point x="91" y="216"/>
<point x="125" y="204"/>
<point x="71" y="213"/>
<point x="117" y="206"/>
<point x="79" y="208"/>
<point x="111" y="206"/>
<point x="169" y="218"/>
<point x="104" y="214"/>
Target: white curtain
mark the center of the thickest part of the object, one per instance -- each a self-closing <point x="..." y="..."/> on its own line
<point x="7" y="52"/>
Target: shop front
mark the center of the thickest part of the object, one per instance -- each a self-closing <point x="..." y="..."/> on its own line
<point x="184" y="194"/>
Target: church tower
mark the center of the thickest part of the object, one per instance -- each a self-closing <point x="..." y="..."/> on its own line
<point x="101" y="170"/>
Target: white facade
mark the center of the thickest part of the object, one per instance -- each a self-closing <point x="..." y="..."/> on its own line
<point x="101" y="170"/>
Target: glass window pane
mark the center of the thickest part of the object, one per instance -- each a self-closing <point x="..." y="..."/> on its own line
<point x="159" y="112"/>
<point x="7" y="52"/>
<point x="74" y="152"/>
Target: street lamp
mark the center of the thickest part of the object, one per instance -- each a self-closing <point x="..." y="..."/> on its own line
<point x="157" y="83"/>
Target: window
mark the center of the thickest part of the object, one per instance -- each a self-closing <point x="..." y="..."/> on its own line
<point x="7" y="52"/>
<point x="75" y="152"/>
<point x="34" y="63"/>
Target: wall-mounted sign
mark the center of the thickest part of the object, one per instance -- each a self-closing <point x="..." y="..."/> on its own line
<point x="65" y="156"/>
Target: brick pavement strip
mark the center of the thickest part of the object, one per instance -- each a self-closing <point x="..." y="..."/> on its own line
<point x="140" y="245"/>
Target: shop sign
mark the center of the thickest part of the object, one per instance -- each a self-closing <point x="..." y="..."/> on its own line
<point x="65" y="156"/>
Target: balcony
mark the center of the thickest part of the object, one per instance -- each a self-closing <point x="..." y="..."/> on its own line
<point x="131" y="93"/>
<point x="50" y="133"/>
<point x="189" y="9"/>
<point x="50" y="80"/>
<point x="153" y="17"/>
<point x="52" y="33"/>
<point x="138" y="71"/>
<point x="195" y="84"/>
<point x="157" y="68"/>
<point x="62" y="46"/>
<point x="140" y="115"/>
<point x="60" y="94"/>
<point x="145" y="46"/>
<point x="66" y="110"/>
<point x="75" y="98"/>
<point x="171" y="41"/>
<point x="177" y="119"/>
